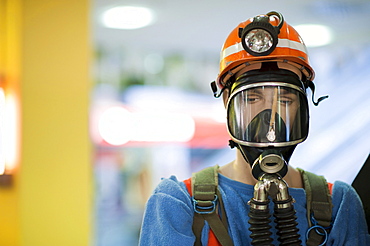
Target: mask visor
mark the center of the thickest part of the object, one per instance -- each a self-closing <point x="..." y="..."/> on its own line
<point x="268" y="115"/>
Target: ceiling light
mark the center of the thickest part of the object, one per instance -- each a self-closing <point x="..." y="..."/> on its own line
<point x="314" y="35"/>
<point x="115" y="125"/>
<point x="127" y="17"/>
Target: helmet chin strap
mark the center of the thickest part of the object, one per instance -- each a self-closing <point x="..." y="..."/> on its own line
<point x="266" y="160"/>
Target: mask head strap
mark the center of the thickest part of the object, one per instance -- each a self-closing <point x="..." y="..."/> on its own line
<point x="311" y="85"/>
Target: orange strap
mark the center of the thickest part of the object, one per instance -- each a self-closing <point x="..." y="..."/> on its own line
<point x="188" y="186"/>
<point x="330" y="186"/>
<point x="212" y="240"/>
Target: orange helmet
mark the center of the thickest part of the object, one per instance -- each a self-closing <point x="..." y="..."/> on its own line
<point x="261" y="39"/>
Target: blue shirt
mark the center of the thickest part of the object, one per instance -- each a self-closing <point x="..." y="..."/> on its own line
<point x="168" y="217"/>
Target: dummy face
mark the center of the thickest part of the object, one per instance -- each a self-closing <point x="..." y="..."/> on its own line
<point x="282" y="100"/>
<point x="266" y="114"/>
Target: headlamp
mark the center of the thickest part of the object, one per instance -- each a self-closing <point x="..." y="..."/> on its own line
<point x="259" y="38"/>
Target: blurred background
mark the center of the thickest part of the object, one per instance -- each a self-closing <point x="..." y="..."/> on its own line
<point x="98" y="102"/>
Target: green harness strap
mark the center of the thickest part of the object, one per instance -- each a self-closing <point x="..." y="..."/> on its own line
<point x="319" y="207"/>
<point x="206" y="200"/>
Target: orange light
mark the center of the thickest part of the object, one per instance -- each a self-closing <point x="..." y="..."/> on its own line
<point x="8" y="132"/>
<point x="12" y="133"/>
<point x="2" y="131"/>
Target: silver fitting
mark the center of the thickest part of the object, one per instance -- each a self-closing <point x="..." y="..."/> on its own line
<point x="274" y="186"/>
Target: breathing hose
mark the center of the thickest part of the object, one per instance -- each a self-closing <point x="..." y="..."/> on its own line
<point x="259" y="220"/>
<point x="286" y="224"/>
<point x="259" y="216"/>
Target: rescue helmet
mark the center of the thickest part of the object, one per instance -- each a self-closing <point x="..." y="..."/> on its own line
<point x="263" y="38"/>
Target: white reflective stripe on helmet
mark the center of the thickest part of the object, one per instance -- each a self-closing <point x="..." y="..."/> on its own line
<point x="286" y="43"/>
<point x="231" y="50"/>
<point x="282" y="43"/>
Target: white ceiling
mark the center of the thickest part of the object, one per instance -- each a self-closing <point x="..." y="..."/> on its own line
<point x="202" y="25"/>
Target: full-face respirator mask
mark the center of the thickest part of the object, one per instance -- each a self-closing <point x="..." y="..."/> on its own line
<point x="267" y="116"/>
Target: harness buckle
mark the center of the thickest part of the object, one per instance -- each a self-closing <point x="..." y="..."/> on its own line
<point x="204" y="207"/>
<point x="320" y="230"/>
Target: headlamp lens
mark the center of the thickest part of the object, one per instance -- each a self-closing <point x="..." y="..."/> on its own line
<point x="258" y="40"/>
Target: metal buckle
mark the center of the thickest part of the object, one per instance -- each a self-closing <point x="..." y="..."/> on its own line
<point x="201" y="209"/>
